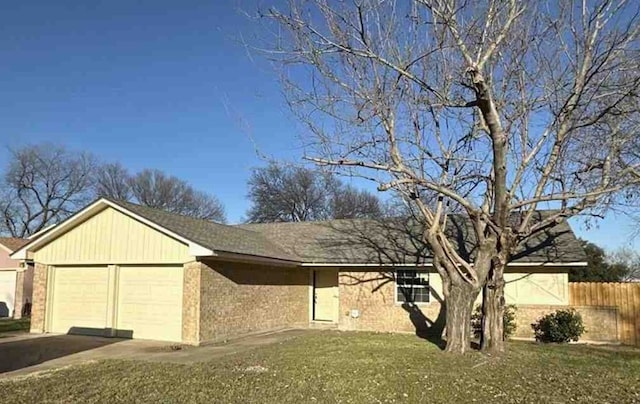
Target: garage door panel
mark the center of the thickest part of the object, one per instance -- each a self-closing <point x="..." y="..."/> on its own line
<point x="7" y="292"/>
<point x="150" y="302"/>
<point x="80" y="300"/>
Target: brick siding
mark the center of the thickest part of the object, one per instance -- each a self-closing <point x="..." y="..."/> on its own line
<point x="239" y="299"/>
<point x="372" y="294"/>
<point x="191" y="303"/>
<point x="39" y="298"/>
<point x="19" y="296"/>
<point x="600" y="323"/>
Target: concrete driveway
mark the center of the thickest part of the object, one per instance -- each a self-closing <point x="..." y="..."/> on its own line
<point x="33" y="353"/>
<point x="29" y="354"/>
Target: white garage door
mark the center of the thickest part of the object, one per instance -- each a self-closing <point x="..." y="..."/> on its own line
<point x="150" y="302"/>
<point x="80" y="298"/>
<point x="7" y="292"/>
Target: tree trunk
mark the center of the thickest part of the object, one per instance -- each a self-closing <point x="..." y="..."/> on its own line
<point x="493" y="305"/>
<point x="459" y="305"/>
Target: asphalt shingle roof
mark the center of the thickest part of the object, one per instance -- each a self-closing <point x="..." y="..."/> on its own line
<point x="215" y="236"/>
<point x="358" y="241"/>
<point x="397" y="241"/>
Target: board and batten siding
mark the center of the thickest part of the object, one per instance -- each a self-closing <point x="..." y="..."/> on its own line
<point x="548" y="288"/>
<point x="111" y="237"/>
<point x="537" y="288"/>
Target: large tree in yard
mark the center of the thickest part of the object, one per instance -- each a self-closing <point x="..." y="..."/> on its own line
<point x="498" y="108"/>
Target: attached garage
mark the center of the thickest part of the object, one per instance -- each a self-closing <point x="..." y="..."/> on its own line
<point x="110" y="272"/>
<point x="126" y="301"/>
<point x="125" y="270"/>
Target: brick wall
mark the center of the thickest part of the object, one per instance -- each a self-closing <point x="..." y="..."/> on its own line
<point x="237" y="299"/>
<point x="600" y="322"/>
<point x="39" y="298"/>
<point x="19" y="297"/>
<point x="372" y="294"/>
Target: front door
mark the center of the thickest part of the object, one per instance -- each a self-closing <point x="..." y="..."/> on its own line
<point x="325" y="295"/>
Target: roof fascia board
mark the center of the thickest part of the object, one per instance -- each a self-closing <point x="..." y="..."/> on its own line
<point x="548" y="264"/>
<point x="229" y="256"/>
<point x="338" y="264"/>
<point x="511" y="264"/>
<point x="38" y="233"/>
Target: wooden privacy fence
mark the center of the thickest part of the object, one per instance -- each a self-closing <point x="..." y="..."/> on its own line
<point x="624" y="296"/>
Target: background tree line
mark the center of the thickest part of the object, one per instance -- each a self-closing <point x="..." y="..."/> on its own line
<point x="621" y="265"/>
<point x="43" y="184"/>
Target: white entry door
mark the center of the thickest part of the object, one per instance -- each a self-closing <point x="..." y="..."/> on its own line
<point x="325" y="295"/>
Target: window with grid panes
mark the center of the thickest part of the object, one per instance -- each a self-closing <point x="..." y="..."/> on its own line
<point x="412" y="286"/>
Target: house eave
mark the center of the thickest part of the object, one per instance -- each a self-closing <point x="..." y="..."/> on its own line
<point x="381" y="264"/>
<point x="236" y="257"/>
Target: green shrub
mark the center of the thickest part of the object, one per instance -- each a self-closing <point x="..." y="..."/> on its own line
<point x="561" y="326"/>
<point x="508" y="318"/>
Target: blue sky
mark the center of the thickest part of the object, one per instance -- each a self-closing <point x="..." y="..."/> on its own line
<point x="157" y="84"/>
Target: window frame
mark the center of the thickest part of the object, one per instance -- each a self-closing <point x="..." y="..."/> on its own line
<point x="418" y="271"/>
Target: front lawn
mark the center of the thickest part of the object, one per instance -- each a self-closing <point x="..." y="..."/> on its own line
<point x="352" y="368"/>
<point x="15" y="325"/>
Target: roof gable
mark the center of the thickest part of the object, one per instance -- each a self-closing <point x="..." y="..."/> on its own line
<point x="218" y="237"/>
<point x="203" y="237"/>
<point x="112" y="236"/>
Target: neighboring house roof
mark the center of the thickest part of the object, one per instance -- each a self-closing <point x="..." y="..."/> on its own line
<point x="12" y="243"/>
<point x="398" y="241"/>
<point x="216" y="236"/>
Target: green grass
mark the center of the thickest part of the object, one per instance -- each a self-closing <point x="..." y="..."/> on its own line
<point x="15" y="325"/>
<point x="352" y="368"/>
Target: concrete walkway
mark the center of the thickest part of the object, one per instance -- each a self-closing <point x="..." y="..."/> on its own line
<point x="31" y="355"/>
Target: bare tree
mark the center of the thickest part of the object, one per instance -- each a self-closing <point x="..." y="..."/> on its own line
<point x="155" y="189"/>
<point x="282" y="193"/>
<point x="42" y="185"/>
<point x="626" y="261"/>
<point x="498" y="107"/>
<point x="348" y="202"/>
<point x="112" y="181"/>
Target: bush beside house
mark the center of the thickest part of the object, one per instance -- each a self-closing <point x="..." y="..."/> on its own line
<point x="561" y="326"/>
